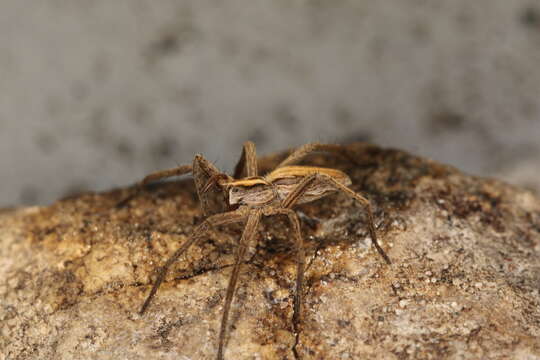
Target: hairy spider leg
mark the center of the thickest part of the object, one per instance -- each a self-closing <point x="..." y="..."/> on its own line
<point x="248" y="235"/>
<point x="300" y="257"/>
<point x="247" y="164"/>
<point x="212" y="202"/>
<point x="197" y="234"/>
<point x="301" y="152"/>
<point x="155" y="176"/>
<point x="163" y="174"/>
<point x="295" y="195"/>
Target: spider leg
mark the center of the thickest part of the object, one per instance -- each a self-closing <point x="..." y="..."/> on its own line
<point x="299" y="153"/>
<point x="247" y="164"/>
<point x="247" y="236"/>
<point x="158" y="175"/>
<point x="163" y="174"/>
<point x="303" y="186"/>
<point x="197" y="234"/>
<point x="300" y="259"/>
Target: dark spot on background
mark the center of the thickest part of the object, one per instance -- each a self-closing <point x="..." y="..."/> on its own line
<point x="258" y="136"/>
<point x="124" y="148"/>
<point x="168" y="43"/>
<point x="465" y="20"/>
<point x="356" y="136"/>
<point x="420" y="31"/>
<point x="343" y="116"/>
<point x="47" y="143"/>
<point x="164" y="148"/>
<point x="445" y="121"/>
<point x="74" y="189"/>
<point x="140" y="114"/>
<point x="172" y="40"/>
<point x="260" y="54"/>
<point x="530" y="16"/>
<point x="285" y="117"/>
<point x="98" y="125"/>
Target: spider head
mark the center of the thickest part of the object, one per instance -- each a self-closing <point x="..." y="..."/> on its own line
<point x="219" y="179"/>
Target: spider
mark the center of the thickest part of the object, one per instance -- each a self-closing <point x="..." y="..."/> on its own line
<point x="247" y="197"/>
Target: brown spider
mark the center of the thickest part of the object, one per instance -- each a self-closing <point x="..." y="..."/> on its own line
<point x="247" y="197"/>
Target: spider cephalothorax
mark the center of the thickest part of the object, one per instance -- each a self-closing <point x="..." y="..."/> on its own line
<point x="247" y="197"/>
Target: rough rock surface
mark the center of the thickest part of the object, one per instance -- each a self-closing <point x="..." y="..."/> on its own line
<point x="464" y="283"/>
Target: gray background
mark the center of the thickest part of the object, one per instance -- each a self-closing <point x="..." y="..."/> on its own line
<point x="95" y="94"/>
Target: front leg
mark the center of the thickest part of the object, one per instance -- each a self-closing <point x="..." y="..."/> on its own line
<point x="197" y="234"/>
<point x="247" y="237"/>
<point x="155" y="176"/>
<point x="163" y="174"/>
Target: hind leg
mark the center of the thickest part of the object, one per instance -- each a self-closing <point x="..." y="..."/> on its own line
<point x="295" y="195"/>
<point x="301" y="152"/>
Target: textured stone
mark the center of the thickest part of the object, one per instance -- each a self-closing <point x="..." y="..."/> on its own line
<point x="464" y="282"/>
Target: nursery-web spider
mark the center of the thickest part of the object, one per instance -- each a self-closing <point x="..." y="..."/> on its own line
<point x="246" y="197"/>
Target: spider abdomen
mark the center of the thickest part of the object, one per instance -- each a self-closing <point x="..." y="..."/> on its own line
<point x="278" y="184"/>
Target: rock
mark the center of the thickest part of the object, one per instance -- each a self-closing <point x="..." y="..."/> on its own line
<point x="464" y="282"/>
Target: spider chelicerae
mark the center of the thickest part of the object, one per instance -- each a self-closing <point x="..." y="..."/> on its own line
<point x="247" y="197"/>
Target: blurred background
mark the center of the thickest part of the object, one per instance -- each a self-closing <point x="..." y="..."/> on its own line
<point x="95" y="94"/>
